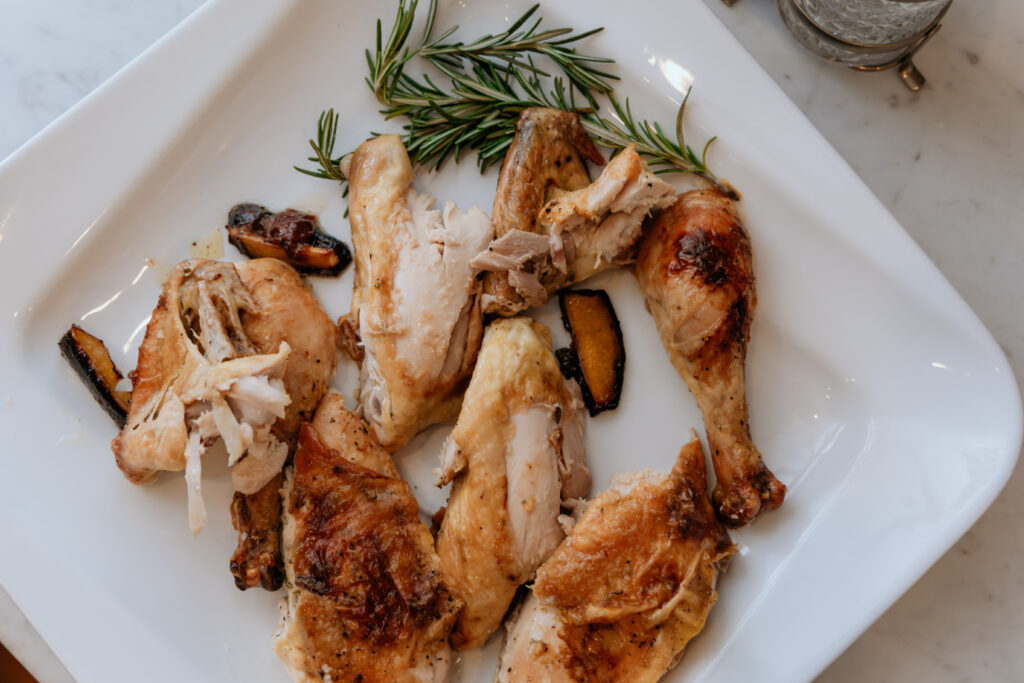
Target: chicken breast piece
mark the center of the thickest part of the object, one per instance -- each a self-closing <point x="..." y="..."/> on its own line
<point x="545" y="159"/>
<point x="516" y="458"/>
<point x="629" y="587"/>
<point x="579" y="234"/>
<point x="366" y="597"/>
<point x="695" y="269"/>
<point x="199" y="378"/>
<point x="415" y="305"/>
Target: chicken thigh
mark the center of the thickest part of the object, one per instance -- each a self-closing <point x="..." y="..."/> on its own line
<point x="416" y="305"/>
<point x="366" y="597"/>
<point x="695" y="269"/>
<point x="629" y="587"/>
<point x="517" y="458"/>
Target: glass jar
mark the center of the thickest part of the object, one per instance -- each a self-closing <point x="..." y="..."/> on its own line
<point x="870" y="35"/>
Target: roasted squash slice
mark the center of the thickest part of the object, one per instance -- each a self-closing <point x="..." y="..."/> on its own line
<point x="597" y="357"/>
<point x="89" y="357"/>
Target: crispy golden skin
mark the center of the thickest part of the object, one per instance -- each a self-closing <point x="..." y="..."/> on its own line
<point x="630" y="586"/>
<point x="696" y="273"/>
<point x="367" y="599"/>
<point x="546" y="157"/>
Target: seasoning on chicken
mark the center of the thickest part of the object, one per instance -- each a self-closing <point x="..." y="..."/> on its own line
<point x="516" y="458"/>
<point x="578" y="234"/>
<point x="366" y="597"/>
<point x="416" y="303"/>
<point x="629" y="587"/>
<point x="546" y="158"/>
<point x="202" y="375"/>
<point x="696" y="273"/>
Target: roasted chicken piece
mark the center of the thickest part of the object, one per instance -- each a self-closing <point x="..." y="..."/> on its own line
<point x="366" y="597"/>
<point x="575" y="235"/>
<point x="545" y="159"/>
<point x="286" y="311"/>
<point x="517" y="458"/>
<point x="629" y="587"/>
<point x="257" y="560"/>
<point x="202" y="375"/>
<point x="695" y="269"/>
<point x="416" y="304"/>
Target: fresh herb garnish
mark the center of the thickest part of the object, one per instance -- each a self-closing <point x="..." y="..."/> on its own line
<point x="483" y="87"/>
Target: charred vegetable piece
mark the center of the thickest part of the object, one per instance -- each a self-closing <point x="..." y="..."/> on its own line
<point x="89" y="357"/>
<point x="597" y="357"/>
<point x="291" y="236"/>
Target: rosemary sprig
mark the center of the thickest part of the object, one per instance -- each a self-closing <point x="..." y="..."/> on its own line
<point x="323" y="148"/>
<point x="484" y="86"/>
<point x="664" y="155"/>
<point x="479" y="111"/>
<point x="507" y="51"/>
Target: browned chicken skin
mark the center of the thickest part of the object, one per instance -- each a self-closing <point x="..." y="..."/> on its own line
<point x="367" y="601"/>
<point x="696" y="273"/>
<point x="629" y="587"/>
<point x="554" y="228"/>
<point x="257" y="558"/>
<point x="546" y="157"/>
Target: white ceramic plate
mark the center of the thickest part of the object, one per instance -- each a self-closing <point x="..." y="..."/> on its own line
<point x="875" y="392"/>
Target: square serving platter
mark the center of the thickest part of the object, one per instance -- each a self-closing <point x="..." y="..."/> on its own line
<point x="875" y="393"/>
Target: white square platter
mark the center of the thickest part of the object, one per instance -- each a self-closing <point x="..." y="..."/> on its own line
<point x="875" y="393"/>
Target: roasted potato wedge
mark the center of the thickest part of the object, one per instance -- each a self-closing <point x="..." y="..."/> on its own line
<point x="89" y="357"/>
<point x="291" y="236"/>
<point x="597" y="357"/>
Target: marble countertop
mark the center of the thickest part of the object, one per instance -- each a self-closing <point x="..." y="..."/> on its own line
<point x="948" y="162"/>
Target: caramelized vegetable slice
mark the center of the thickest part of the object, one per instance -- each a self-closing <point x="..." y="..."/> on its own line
<point x="597" y="358"/>
<point x="91" y="360"/>
<point x="291" y="236"/>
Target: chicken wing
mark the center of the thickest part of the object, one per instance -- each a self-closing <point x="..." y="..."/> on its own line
<point x="575" y="235"/>
<point x="516" y="456"/>
<point x="366" y="597"/>
<point x="546" y="158"/>
<point x="629" y="587"/>
<point x="416" y="305"/>
<point x="695" y="269"/>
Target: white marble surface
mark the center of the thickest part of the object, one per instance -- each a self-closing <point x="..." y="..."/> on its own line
<point x="948" y="163"/>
